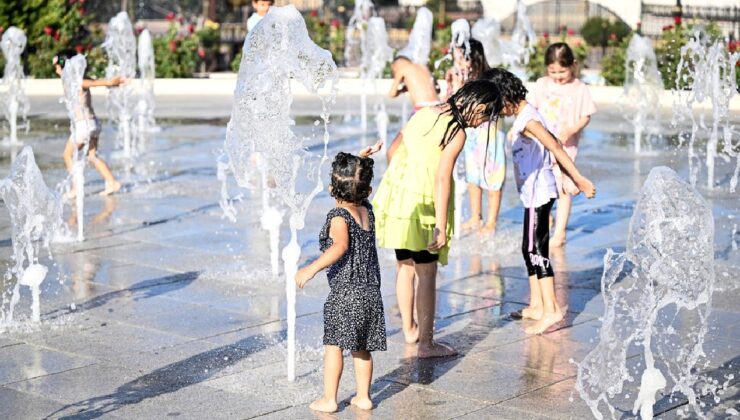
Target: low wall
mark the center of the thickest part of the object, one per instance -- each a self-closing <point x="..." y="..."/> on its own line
<point x="224" y="85"/>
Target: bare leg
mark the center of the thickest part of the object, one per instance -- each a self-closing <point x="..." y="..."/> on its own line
<point x="405" y="293"/>
<point x="494" y="205"/>
<point x="333" y="365"/>
<point x="534" y="310"/>
<point x="111" y="185"/>
<point x="363" y="377"/>
<point x="426" y="296"/>
<point x="476" y="196"/>
<point x="68" y="156"/>
<point x="552" y="314"/>
<point x="561" y="220"/>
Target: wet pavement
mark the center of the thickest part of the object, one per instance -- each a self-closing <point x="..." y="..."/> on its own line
<point x="167" y="309"/>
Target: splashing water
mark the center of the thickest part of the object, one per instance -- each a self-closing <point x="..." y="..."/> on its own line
<point x="72" y="76"/>
<point x="14" y="100"/>
<point x="277" y="50"/>
<point x="420" y="39"/>
<point x="460" y="38"/>
<point x="356" y="48"/>
<point x="657" y="296"/>
<point x="488" y="32"/>
<point x="708" y="68"/>
<point x="35" y="213"/>
<point x="377" y="55"/>
<point x="145" y="106"/>
<point x="516" y="52"/>
<point x="642" y="87"/>
<point x="120" y="45"/>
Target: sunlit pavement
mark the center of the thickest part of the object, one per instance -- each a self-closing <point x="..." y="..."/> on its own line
<point x="167" y="309"/>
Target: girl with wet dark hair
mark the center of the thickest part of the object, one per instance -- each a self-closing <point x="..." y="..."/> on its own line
<point x="413" y="206"/>
<point x="532" y="151"/>
<point x="353" y="313"/>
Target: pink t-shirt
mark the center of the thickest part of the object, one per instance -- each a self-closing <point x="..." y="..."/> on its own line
<point x="563" y="105"/>
<point x="532" y="162"/>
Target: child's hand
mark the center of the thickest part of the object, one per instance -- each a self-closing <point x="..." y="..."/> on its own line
<point x="371" y="150"/>
<point x="565" y="134"/>
<point x="586" y="186"/>
<point x="303" y="276"/>
<point x="116" y="81"/>
<point x="439" y="241"/>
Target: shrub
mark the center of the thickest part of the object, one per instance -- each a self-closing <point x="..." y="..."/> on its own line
<point x="600" y="32"/>
<point x="668" y="49"/>
<point x="176" y="53"/>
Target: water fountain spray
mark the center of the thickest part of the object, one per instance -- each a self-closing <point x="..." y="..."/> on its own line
<point x="377" y="55"/>
<point x="642" y="87"/>
<point x="72" y="76"/>
<point x="120" y="45"/>
<point x="420" y="39"/>
<point x="35" y="213"/>
<point x="356" y="38"/>
<point x="14" y="100"/>
<point x="488" y="32"/>
<point x="145" y="106"/>
<point x="276" y="51"/>
<point x="708" y="68"/>
<point x="657" y="297"/>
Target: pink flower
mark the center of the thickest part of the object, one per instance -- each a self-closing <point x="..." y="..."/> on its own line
<point x="79" y="48"/>
<point x="170" y="16"/>
<point x="335" y="23"/>
<point x="571" y="32"/>
<point x="191" y="28"/>
<point x="314" y="13"/>
<point x="173" y="46"/>
<point x="56" y="36"/>
<point x="48" y="30"/>
<point x="546" y="35"/>
<point x="201" y="52"/>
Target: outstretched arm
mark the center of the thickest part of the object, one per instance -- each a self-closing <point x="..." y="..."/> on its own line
<point x="339" y="234"/>
<point x="538" y="131"/>
<point x="442" y="189"/>
<point x="112" y="82"/>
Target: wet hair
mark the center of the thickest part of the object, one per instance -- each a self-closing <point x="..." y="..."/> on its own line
<point x="478" y="63"/>
<point x="401" y="57"/>
<point x="461" y="105"/>
<point x="64" y="55"/>
<point x="351" y="177"/>
<point x="510" y="87"/>
<point x="560" y="53"/>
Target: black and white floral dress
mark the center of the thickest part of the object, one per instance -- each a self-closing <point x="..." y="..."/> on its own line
<point x="353" y="312"/>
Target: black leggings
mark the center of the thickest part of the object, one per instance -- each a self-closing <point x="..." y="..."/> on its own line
<point x="419" y="257"/>
<point x="536" y="241"/>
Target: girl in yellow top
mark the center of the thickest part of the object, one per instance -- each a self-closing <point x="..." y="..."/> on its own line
<point x="413" y="210"/>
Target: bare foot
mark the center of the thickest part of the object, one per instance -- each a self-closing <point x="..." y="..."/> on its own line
<point x="436" y="350"/>
<point x="363" y="403"/>
<point x="412" y="336"/>
<point x="323" y="405"/>
<point x="489" y="228"/>
<point x="111" y="187"/>
<point x="557" y="241"/>
<point x="548" y="319"/>
<point x="532" y="312"/>
<point x="472" y="224"/>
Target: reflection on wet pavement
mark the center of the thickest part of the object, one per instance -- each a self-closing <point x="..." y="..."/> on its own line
<point x="167" y="309"/>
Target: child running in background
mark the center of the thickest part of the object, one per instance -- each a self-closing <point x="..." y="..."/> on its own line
<point x="261" y="7"/>
<point x="353" y="313"/>
<point x="565" y="103"/>
<point x="413" y="206"/>
<point x="87" y="127"/>
<point x="532" y="152"/>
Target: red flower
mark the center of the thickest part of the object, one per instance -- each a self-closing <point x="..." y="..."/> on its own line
<point x="732" y="46"/>
<point x="173" y="46"/>
<point x="440" y="25"/>
<point x="546" y="35"/>
<point x="445" y="50"/>
<point x="138" y="30"/>
<point x="612" y="36"/>
<point x="79" y="48"/>
<point x="48" y="30"/>
<point x="639" y="24"/>
<point x="677" y="20"/>
<point x="180" y="19"/>
<point x="201" y="52"/>
<point x="335" y="23"/>
<point x="314" y="13"/>
<point x="56" y="36"/>
<point x="170" y="16"/>
<point x="571" y="32"/>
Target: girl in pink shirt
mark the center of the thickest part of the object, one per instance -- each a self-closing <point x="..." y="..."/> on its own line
<point x="534" y="150"/>
<point x="565" y="103"/>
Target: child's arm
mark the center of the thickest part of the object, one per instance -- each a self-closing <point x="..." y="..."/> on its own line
<point x="339" y="234"/>
<point x="112" y="82"/>
<point x="538" y="131"/>
<point x="371" y="150"/>
<point x="442" y="186"/>
<point x="569" y="131"/>
<point x="394" y="145"/>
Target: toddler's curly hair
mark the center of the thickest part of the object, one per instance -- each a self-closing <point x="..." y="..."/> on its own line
<point x="351" y="177"/>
